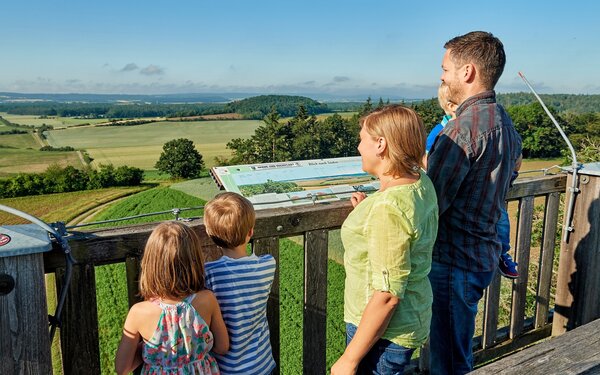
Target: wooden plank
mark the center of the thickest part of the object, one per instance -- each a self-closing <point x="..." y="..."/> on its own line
<point x="79" y="331"/>
<point x="537" y="186"/>
<point x="546" y="260"/>
<point x="490" y="312"/>
<point x="270" y="245"/>
<point x="575" y="352"/>
<point x="24" y="334"/>
<point x="105" y="246"/>
<point x="315" y="301"/>
<point x="577" y="297"/>
<point x="523" y="243"/>
<point x="133" y="269"/>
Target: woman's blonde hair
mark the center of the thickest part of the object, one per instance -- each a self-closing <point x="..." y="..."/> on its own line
<point x="404" y="133"/>
<point x="173" y="263"/>
<point x="228" y="218"/>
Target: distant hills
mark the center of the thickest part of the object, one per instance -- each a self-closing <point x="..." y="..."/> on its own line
<point x="251" y="105"/>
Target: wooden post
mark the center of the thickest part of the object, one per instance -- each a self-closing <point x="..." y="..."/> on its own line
<point x="578" y="284"/>
<point x="24" y="332"/>
<point x="315" y="301"/>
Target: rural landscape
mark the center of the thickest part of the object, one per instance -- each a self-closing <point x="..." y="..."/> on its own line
<point x="83" y="162"/>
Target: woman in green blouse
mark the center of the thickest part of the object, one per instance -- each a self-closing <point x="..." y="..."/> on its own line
<point x="388" y="239"/>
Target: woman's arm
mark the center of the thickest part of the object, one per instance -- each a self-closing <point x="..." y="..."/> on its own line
<point x="218" y="328"/>
<point x="129" y="354"/>
<point x="373" y="324"/>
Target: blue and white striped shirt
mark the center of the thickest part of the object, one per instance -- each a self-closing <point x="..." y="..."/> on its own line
<point x="242" y="288"/>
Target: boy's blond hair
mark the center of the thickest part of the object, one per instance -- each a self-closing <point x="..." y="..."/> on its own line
<point x="444" y="99"/>
<point x="173" y="263"/>
<point x="405" y="134"/>
<point x="229" y="218"/>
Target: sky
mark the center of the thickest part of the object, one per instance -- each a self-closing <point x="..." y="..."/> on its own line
<point x="326" y="47"/>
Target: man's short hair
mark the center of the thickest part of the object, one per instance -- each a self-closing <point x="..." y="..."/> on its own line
<point x="228" y="218"/>
<point x="482" y="49"/>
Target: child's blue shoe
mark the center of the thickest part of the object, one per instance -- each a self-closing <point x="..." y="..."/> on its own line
<point x="508" y="267"/>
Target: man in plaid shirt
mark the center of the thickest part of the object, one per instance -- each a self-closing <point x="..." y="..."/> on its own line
<point x="470" y="164"/>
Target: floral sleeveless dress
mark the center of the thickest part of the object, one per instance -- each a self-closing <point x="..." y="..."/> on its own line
<point x="181" y="343"/>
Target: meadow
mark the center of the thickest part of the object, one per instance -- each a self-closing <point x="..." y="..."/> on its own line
<point x="140" y="146"/>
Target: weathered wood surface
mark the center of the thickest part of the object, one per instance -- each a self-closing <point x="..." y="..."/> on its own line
<point x="79" y="332"/>
<point x="519" y="296"/>
<point x="270" y="245"/>
<point x="546" y="260"/>
<point x="490" y="312"/>
<point x="537" y="186"/>
<point x="575" y="352"/>
<point x="315" y="301"/>
<point x="578" y="284"/>
<point x="24" y="333"/>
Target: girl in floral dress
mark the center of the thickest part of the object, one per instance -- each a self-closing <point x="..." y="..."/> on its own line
<point x="179" y="321"/>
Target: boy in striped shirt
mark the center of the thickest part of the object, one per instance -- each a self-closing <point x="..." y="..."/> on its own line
<point x="241" y="283"/>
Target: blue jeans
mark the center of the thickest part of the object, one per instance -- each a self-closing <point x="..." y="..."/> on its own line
<point x="503" y="229"/>
<point x="385" y="357"/>
<point x="456" y="293"/>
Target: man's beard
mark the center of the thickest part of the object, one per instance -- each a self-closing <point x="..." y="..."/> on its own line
<point x="455" y="93"/>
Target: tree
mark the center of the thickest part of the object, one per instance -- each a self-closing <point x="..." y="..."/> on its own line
<point x="180" y="159"/>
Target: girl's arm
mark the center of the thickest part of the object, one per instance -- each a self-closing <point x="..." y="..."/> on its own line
<point x="129" y="354"/>
<point x="218" y="328"/>
<point x="373" y="324"/>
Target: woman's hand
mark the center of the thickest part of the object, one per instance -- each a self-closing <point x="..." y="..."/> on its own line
<point x="357" y="197"/>
<point x="343" y="367"/>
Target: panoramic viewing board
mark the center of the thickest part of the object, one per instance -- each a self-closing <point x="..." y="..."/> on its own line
<point x="290" y="183"/>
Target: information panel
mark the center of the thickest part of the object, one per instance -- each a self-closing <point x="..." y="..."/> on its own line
<point x="289" y="183"/>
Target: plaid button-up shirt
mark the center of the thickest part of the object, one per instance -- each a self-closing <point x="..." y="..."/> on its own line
<point x="470" y="165"/>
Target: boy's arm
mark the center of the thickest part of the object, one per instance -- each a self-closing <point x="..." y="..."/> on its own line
<point x="129" y="353"/>
<point x="218" y="327"/>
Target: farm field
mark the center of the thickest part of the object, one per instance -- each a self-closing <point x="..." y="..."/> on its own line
<point x="54" y="121"/>
<point x="63" y="206"/>
<point x="140" y="146"/>
<point x="27" y="160"/>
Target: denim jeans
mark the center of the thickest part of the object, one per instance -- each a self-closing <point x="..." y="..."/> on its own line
<point x="456" y="293"/>
<point x="385" y="357"/>
<point x="503" y="229"/>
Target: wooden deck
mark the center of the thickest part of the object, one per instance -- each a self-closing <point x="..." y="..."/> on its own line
<point x="574" y="352"/>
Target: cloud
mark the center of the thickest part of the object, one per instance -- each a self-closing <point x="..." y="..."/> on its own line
<point x="152" y="70"/>
<point x="339" y="79"/>
<point x="129" y="67"/>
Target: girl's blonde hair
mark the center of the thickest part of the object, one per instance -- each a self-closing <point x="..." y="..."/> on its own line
<point x="404" y="133"/>
<point x="173" y="263"/>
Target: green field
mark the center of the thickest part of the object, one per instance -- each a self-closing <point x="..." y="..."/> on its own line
<point x="14" y="161"/>
<point x="54" y="121"/>
<point x="204" y="188"/>
<point x="140" y="146"/>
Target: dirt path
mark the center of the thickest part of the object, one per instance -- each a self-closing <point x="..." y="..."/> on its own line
<point x="38" y="139"/>
<point x="87" y="216"/>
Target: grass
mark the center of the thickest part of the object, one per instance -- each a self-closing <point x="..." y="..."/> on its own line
<point x="19" y="141"/>
<point x="204" y="188"/>
<point x="140" y="146"/>
<point x="13" y="161"/>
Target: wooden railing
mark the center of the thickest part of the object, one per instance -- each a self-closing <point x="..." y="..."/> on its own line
<point x="79" y="332"/>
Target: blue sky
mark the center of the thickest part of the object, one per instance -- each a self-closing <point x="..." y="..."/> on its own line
<point x="377" y="48"/>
